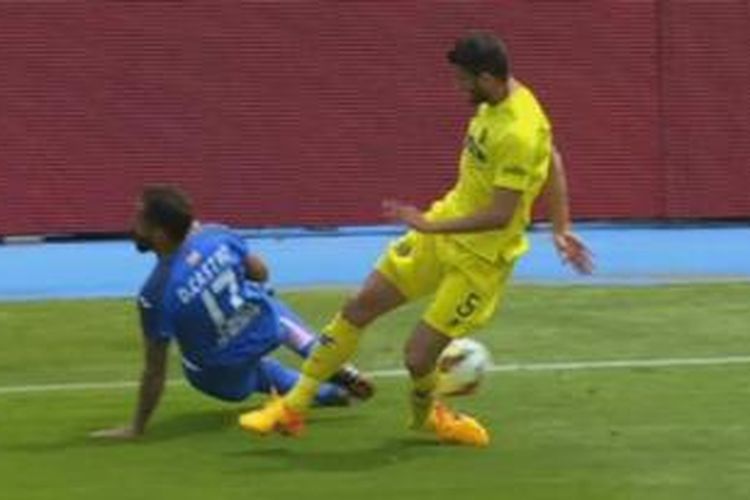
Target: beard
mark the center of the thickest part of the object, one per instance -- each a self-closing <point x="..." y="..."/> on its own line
<point x="477" y="97"/>
<point x="142" y="244"/>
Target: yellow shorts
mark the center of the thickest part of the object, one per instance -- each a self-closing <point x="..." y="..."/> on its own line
<point x="467" y="289"/>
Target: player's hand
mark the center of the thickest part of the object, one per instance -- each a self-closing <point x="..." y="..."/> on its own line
<point x="127" y="433"/>
<point x="408" y="214"/>
<point x="574" y="252"/>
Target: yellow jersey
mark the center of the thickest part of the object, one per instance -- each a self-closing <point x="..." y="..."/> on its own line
<point x="507" y="145"/>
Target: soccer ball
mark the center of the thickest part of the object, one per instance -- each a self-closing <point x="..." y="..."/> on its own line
<point x="461" y="367"/>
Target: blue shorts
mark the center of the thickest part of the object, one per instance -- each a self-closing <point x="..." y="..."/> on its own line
<point x="229" y="383"/>
<point x="238" y="381"/>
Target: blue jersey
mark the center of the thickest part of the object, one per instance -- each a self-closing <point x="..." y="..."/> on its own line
<point x="201" y="296"/>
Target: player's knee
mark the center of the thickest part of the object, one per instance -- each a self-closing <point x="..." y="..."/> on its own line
<point x="230" y="397"/>
<point x="362" y="308"/>
<point x="216" y="391"/>
<point x="374" y="299"/>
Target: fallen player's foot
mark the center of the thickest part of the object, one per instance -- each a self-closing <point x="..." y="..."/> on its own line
<point x="341" y="397"/>
<point x="274" y="416"/>
<point x="356" y="384"/>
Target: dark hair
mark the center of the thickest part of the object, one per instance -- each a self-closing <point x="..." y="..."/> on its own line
<point x="481" y="52"/>
<point x="169" y="209"/>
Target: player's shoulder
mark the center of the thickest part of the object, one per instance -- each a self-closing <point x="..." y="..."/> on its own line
<point x="153" y="289"/>
<point x="207" y="238"/>
<point x="528" y="109"/>
<point x="503" y="120"/>
<point x="210" y="229"/>
<point x="525" y="119"/>
<point x="214" y="229"/>
<point x="210" y="234"/>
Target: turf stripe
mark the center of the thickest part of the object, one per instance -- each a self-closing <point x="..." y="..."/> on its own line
<point x="516" y="367"/>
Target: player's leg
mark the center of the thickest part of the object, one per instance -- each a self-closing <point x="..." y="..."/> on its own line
<point x="406" y="271"/>
<point x="421" y="354"/>
<point x="236" y="383"/>
<point x="274" y="376"/>
<point x="409" y="269"/>
<point x="376" y="298"/>
<point x="341" y="337"/>
<point x="298" y="336"/>
<point x="466" y="299"/>
<point x="226" y="383"/>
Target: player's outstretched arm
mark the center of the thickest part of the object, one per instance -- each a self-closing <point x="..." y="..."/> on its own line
<point x="496" y="216"/>
<point x="149" y="394"/>
<point x="570" y="247"/>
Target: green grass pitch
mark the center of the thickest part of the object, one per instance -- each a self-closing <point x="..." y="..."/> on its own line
<point x="621" y="433"/>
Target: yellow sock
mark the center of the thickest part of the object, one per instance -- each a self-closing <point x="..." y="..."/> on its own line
<point x="302" y="394"/>
<point x="422" y="399"/>
<point x="338" y="343"/>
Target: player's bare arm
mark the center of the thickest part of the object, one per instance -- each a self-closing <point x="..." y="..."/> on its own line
<point x="570" y="247"/>
<point x="257" y="270"/>
<point x="151" y="389"/>
<point x="494" y="217"/>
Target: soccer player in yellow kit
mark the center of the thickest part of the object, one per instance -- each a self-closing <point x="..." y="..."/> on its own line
<point x="462" y="251"/>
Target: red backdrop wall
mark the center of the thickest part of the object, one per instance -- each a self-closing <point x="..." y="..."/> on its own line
<point x="311" y="112"/>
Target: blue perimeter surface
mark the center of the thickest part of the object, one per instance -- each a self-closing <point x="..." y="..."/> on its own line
<point x="298" y="258"/>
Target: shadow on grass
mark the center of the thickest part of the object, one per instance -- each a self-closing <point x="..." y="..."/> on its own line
<point x="185" y="425"/>
<point x="282" y="459"/>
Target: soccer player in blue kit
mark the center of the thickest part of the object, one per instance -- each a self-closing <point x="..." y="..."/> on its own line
<point x="207" y="292"/>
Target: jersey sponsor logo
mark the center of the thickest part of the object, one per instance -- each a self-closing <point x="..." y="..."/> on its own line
<point x="515" y="171"/>
<point x="475" y="146"/>
<point x="403" y="248"/>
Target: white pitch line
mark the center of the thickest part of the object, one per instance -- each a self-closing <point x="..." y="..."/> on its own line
<point x="596" y="365"/>
<point x="515" y="367"/>
<point x="75" y="386"/>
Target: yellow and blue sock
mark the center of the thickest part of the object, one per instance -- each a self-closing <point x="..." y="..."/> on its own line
<point x="278" y="378"/>
<point x="337" y="344"/>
